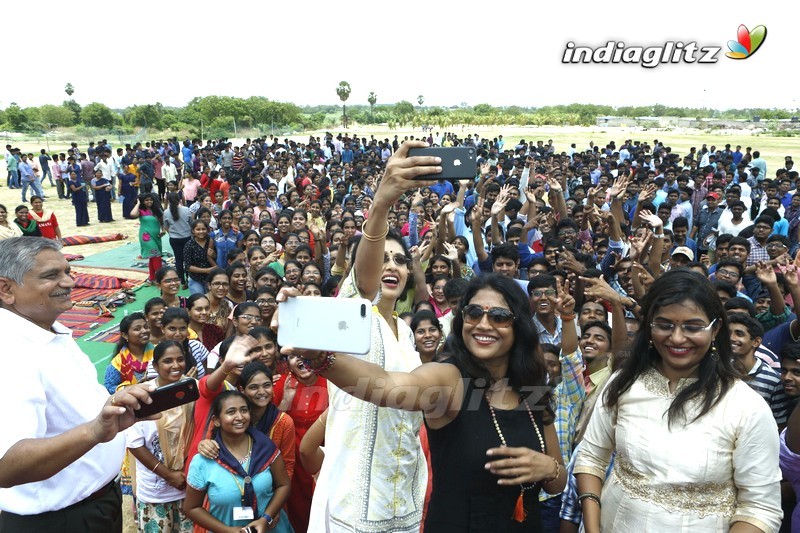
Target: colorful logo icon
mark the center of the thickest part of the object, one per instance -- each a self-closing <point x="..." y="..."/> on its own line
<point x="748" y="42"/>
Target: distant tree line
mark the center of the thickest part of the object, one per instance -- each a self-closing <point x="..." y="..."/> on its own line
<point x="223" y="115"/>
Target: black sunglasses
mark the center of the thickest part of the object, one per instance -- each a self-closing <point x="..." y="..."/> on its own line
<point x="498" y="316"/>
<point x="399" y="259"/>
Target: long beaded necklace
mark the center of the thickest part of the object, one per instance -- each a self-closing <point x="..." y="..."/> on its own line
<point x="519" y="509"/>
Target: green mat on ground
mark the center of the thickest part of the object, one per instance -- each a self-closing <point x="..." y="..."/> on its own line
<point x="123" y="256"/>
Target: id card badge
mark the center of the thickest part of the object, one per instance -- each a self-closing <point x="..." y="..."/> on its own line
<point x="243" y="513"/>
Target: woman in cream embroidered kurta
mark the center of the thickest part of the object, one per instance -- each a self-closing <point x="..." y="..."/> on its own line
<point x="696" y="477"/>
<point x="696" y="449"/>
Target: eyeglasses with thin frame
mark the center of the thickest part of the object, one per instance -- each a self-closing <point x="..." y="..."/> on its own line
<point x="498" y="316"/>
<point x="688" y="330"/>
<point x="727" y="273"/>
<point x="271" y="301"/>
<point x="171" y="280"/>
<point x="220" y="284"/>
<point x="251" y="318"/>
<point x="399" y="259"/>
<point x="547" y="292"/>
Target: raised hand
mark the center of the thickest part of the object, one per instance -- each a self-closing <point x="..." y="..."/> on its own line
<point x="783" y="260"/>
<point x="451" y="252"/>
<point x="766" y="274"/>
<point x="639" y="245"/>
<point x="423" y="247"/>
<point x="653" y="220"/>
<point x="567" y="261"/>
<point x="239" y="352"/>
<point x="619" y="187"/>
<point x="647" y="193"/>
<point x="499" y="204"/>
<point x="401" y="171"/>
<point x="599" y="289"/>
<point x="555" y="185"/>
<point x="791" y="276"/>
<point x="449" y="208"/>
<point x="563" y="302"/>
<point x="645" y="278"/>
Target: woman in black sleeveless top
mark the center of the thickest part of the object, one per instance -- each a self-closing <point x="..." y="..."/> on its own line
<point x="492" y="392"/>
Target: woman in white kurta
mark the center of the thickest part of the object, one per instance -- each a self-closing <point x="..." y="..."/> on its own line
<point x="374" y="474"/>
<point x="695" y="448"/>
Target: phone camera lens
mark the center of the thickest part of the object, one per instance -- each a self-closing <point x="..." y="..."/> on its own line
<point x="471" y="151"/>
<point x="363" y="310"/>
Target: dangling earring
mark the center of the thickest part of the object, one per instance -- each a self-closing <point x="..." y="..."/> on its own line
<point x="714" y="352"/>
<point x="650" y="342"/>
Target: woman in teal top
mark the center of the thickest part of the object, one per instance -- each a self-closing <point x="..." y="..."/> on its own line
<point x="247" y="485"/>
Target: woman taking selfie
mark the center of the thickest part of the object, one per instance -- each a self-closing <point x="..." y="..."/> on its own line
<point x="696" y="450"/>
<point x="491" y="365"/>
<point x="492" y="442"/>
<point x="247" y="484"/>
<point x="158" y="446"/>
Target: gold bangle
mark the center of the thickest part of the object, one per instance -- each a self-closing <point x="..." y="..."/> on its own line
<point x="374" y="238"/>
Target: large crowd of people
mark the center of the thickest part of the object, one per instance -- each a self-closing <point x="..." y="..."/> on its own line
<point x="598" y="338"/>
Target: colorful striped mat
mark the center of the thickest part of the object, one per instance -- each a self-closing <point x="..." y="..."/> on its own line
<point x="75" y="240"/>
<point x="88" y="286"/>
<point x="81" y="320"/>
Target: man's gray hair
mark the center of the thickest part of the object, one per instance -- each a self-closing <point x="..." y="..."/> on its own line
<point x="18" y="255"/>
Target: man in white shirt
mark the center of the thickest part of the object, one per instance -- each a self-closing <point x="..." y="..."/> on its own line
<point x="61" y="446"/>
<point x="168" y="171"/>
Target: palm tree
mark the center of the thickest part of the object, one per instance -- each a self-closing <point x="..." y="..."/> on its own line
<point x="372" y="98"/>
<point x="343" y="90"/>
<point x="69" y="89"/>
